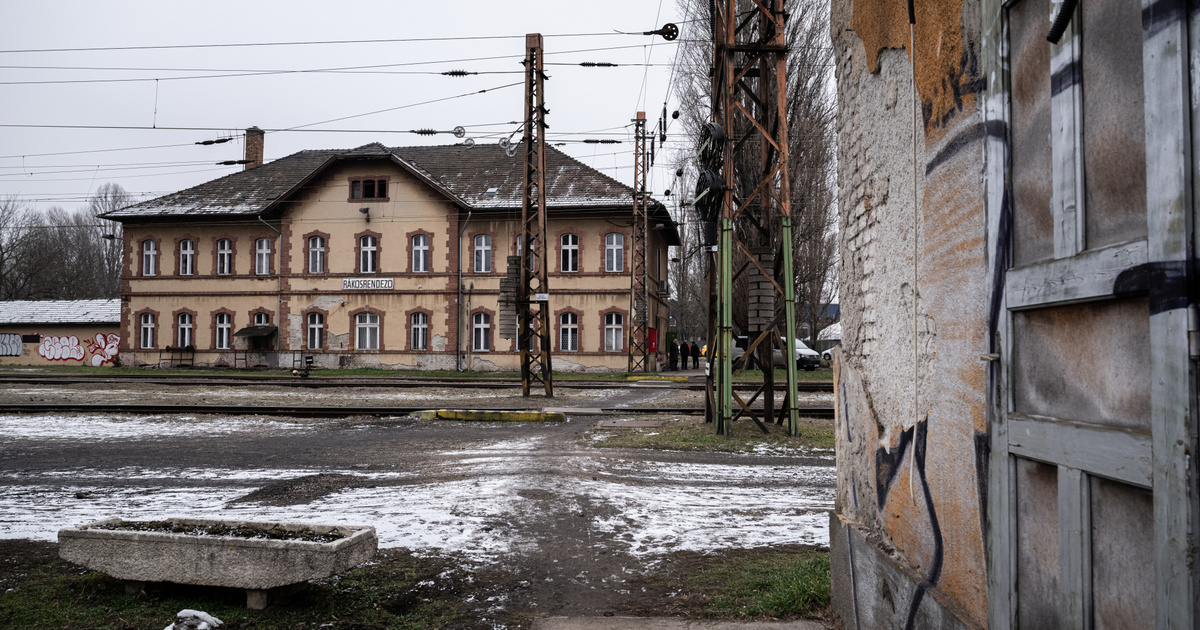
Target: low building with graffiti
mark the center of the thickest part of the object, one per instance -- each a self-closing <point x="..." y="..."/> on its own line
<point x="60" y="332"/>
<point x="1016" y="382"/>
<point x="388" y="257"/>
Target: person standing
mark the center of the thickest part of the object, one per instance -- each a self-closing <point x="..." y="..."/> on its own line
<point x="695" y="355"/>
<point x="684" y="353"/>
<point x="673" y="356"/>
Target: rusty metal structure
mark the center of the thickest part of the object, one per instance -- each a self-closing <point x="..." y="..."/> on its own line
<point x="639" y="298"/>
<point x="752" y="209"/>
<point x="533" y="296"/>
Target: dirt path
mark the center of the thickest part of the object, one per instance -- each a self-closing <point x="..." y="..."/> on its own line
<point x="572" y="528"/>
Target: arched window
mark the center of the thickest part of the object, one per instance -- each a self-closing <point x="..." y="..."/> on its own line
<point x="483" y="253"/>
<point x="481" y="332"/>
<point x="614" y="332"/>
<point x="147" y="330"/>
<point x="316" y="254"/>
<point x="366" y="327"/>
<point x="262" y="319"/>
<point x="420" y="253"/>
<point x="224" y="257"/>
<point x="262" y="256"/>
<point x="316" y="331"/>
<point x="368" y="259"/>
<point x="186" y="323"/>
<point x="419" y="324"/>
<point x="614" y="252"/>
<point x="568" y="332"/>
<point x="187" y="258"/>
<point x="224" y="325"/>
<point x="149" y="258"/>
<point x="570" y="253"/>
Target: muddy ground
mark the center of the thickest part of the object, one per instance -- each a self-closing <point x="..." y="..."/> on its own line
<point x="565" y="526"/>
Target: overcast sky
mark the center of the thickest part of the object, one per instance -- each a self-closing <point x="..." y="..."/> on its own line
<point x="61" y="166"/>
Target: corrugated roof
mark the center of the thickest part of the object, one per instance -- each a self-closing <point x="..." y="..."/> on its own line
<point x="60" y="312"/>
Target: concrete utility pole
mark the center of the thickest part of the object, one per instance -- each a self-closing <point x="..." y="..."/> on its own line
<point x="639" y="297"/>
<point x="749" y="97"/>
<point x="533" y="296"/>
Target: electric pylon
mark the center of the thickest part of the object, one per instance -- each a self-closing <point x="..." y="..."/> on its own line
<point x="749" y="95"/>
<point x="533" y="337"/>
<point x="639" y="298"/>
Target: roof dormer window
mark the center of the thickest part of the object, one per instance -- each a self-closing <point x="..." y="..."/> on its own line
<point x="368" y="189"/>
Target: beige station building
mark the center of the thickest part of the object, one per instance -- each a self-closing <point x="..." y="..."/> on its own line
<point x="380" y="257"/>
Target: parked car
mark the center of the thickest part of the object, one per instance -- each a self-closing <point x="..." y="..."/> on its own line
<point x="827" y="354"/>
<point x="805" y="357"/>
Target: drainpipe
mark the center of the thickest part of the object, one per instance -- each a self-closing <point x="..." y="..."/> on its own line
<point x="458" y="335"/>
<point x="278" y="290"/>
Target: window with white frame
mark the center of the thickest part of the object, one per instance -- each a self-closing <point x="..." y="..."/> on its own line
<point x="149" y="258"/>
<point x="419" y="323"/>
<point x="316" y="254"/>
<point x="187" y="257"/>
<point x="570" y="253"/>
<point x="224" y="257"/>
<point x="368" y="254"/>
<point x="262" y="319"/>
<point x="316" y="331"/>
<point x="568" y="332"/>
<point x="420" y="253"/>
<point x="483" y="253"/>
<point x="614" y="332"/>
<point x="262" y="256"/>
<point x="481" y="337"/>
<point x="147" y="330"/>
<point x="224" y="326"/>
<point x="186" y="323"/>
<point x="614" y="252"/>
<point x="530" y="255"/>
<point x="366" y="326"/>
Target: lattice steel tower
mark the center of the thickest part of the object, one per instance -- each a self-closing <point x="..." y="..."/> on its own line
<point x="751" y="192"/>
<point x="639" y="297"/>
<point x="533" y="324"/>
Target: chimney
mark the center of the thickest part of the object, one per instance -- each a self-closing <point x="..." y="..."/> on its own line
<point x="254" y="148"/>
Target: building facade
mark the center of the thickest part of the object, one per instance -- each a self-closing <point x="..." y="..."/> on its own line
<point x="380" y="257"/>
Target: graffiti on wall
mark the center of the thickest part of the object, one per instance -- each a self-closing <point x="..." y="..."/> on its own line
<point x="65" y="348"/>
<point x="104" y="349"/>
<point x="10" y="345"/>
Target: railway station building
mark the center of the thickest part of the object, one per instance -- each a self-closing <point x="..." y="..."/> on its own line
<point x="380" y="257"/>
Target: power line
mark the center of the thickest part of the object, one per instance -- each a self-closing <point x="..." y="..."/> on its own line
<point x="301" y="43"/>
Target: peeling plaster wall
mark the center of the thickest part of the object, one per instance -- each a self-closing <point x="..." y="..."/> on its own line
<point x="911" y="478"/>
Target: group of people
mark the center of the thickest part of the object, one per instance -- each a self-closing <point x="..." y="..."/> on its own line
<point x="677" y="351"/>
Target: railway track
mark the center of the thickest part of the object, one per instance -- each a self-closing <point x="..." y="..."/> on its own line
<point x="320" y="383"/>
<point x="309" y="411"/>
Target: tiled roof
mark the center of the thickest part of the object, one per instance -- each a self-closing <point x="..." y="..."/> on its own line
<point x="469" y="172"/>
<point x="246" y="192"/>
<point x="60" y="312"/>
<point x="466" y="173"/>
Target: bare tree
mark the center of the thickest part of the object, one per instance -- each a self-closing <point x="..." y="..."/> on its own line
<point x="60" y="254"/>
<point x="811" y="147"/>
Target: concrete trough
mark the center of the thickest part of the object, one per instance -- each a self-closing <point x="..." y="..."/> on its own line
<point x="263" y="567"/>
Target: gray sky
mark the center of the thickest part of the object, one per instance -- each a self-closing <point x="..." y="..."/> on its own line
<point x="583" y="102"/>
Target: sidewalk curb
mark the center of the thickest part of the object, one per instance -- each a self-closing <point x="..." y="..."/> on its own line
<point x="475" y="415"/>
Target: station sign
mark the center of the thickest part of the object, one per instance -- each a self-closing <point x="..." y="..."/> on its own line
<point x="368" y="284"/>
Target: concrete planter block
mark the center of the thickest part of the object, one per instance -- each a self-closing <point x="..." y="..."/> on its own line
<point x="257" y="565"/>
